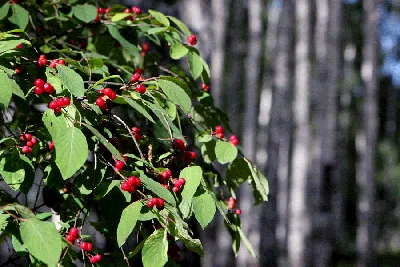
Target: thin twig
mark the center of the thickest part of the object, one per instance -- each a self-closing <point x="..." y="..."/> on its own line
<point x="130" y="132"/>
<point x="125" y="258"/>
<point x="107" y="83"/>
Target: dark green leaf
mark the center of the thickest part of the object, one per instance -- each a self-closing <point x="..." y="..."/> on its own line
<point x="42" y="240"/>
<point x="6" y="90"/>
<point x="4" y="10"/>
<point x="139" y="108"/>
<point x="130" y="48"/>
<point x="160" y="17"/>
<point x="204" y="208"/>
<point x="71" y="80"/>
<point x="86" y="13"/>
<point x="128" y="221"/>
<point x="19" y="17"/>
<point x="193" y="177"/>
<point x="180" y="25"/>
<point x="176" y="94"/>
<point x="237" y="173"/>
<point x="156" y="30"/>
<point x="16" y="90"/>
<point x="195" y="64"/>
<point x="17" y="171"/>
<point x="120" y="16"/>
<point x="178" y="51"/>
<point x="225" y="152"/>
<point x="155" y="249"/>
<point x="55" y="124"/>
<point x="158" y="189"/>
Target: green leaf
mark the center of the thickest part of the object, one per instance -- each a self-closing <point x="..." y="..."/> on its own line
<point x="204" y="137"/>
<point x="128" y="221"/>
<point x="16" y="90"/>
<point x="23" y="211"/>
<point x="5" y="89"/>
<point x="193" y="177"/>
<point x="55" y="124"/>
<point x="54" y="80"/>
<point x="204" y="208"/>
<point x="156" y="30"/>
<point x="4" y="10"/>
<point x="259" y="183"/>
<point x="19" y="17"/>
<point x="71" y="80"/>
<point x="225" y="151"/>
<point x="86" y="13"/>
<point x="139" y="108"/>
<point x="44" y="216"/>
<point x="246" y="242"/>
<point x="17" y="245"/>
<point x="208" y="151"/>
<point x="3" y="222"/>
<point x="179" y="82"/>
<point x="17" y="171"/>
<point x="105" y="79"/>
<point x="178" y="51"/>
<point x="195" y="64"/>
<point x="105" y="187"/>
<point x="130" y="48"/>
<point x="155" y="249"/>
<point x="137" y="249"/>
<point x="238" y="172"/>
<point x="10" y="45"/>
<point x="180" y="25"/>
<point x="71" y="151"/>
<point x="116" y="154"/>
<point x="176" y="94"/>
<point x="120" y="16"/>
<point x="160" y="17"/>
<point x="157" y="188"/>
<point x="42" y="240"/>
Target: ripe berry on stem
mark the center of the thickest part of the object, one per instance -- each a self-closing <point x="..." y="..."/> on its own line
<point x="192" y="39"/>
<point x="136" y="10"/>
<point x="119" y="165"/>
<point x="178" y="144"/>
<point x="238" y="211"/>
<point x="141" y="88"/>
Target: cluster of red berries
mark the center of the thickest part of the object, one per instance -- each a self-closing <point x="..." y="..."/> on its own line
<point x="136" y="76"/>
<point x="233" y="139"/>
<point x="187" y="156"/>
<point x="136" y="133"/>
<point x="205" y="87"/>
<point x="178" y="184"/>
<point x="54" y="62"/>
<point x="59" y="103"/>
<point x="219" y="133"/>
<point x="158" y="202"/>
<point x="119" y="165"/>
<point x="41" y="86"/>
<point x="135" y="10"/>
<point x="131" y="184"/>
<point x="106" y="93"/>
<point x="95" y="259"/>
<point x="30" y="142"/>
<point x="86" y="246"/>
<point x="73" y="235"/>
<point x="100" y="12"/>
<point x="42" y="61"/>
<point x="192" y="39"/>
<point x="231" y="204"/>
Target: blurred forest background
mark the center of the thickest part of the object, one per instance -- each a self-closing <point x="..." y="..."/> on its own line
<point x="312" y="90"/>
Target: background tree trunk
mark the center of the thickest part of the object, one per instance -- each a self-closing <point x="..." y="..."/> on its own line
<point x="367" y="139"/>
<point x="299" y="221"/>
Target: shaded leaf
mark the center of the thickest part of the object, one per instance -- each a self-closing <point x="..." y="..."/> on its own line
<point x="204" y="208"/>
<point x="86" y="13"/>
<point x="155" y="249"/>
<point x="71" y="80"/>
<point x="19" y="17"/>
<point x="178" y="51"/>
<point x="193" y="177"/>
<point x="128" y="221"/>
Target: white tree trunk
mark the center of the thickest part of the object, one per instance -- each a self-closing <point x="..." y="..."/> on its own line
<point x="251" y="215"/>
<point x="299" y="221"/>
<point x="366" y="142"/>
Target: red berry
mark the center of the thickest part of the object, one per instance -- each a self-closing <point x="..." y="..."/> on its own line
<point x="150" y="203"/>
<point x="34" y="140"/>
<point x="100" y="102"/>
<point x="136" y="10"/>
<point x="166" y="174"/>
<point x="101" y="91"/>
<point x="138" y="182"/>
<point x="70" y="239"/>
<point x="89" y="247"/>
<point x="119" y="165"/>
<point x="61" y="62"/>
<point x="160" y="203"/>
<point x="93" y="260"/>
<point x="74" y="232"/>
<point x="145" y="47"/>
<point x="178" y="144"/>
<point x="135" y="130"/>
<point x="97" y="19"/>
<point x="125" y="186"/>
<point x="192" y="155"/>
<point x="108" y="92"/>
<point x="132" y="180"/>
<point x="231" y="202"/>
<point x="176" y="189"/>
<point x="29" y="143"/>
<point x="113" y="95"/>
<point x="232" y="137"/>
<point x="220" y="135"/>
<point x="38" y="90"/>
<point x="205" y="87"/>
<point x="182" y="181"/>
<point x="137" y="136"/>
<point x="51" y="145"/>
<point x="19" y="46"/>
<point x="135" y="77"/>
<point x="97" y="257"/>
<point x="53" y="65"/>
<point x="131" y="189"/>
<point x="234" y="142"/>
<point x="28" y="136"/>
<point x="187" y="157"/>
<point x="104" y="107"/>
<point x="57" y="109"/>
<point x="238" y="211"/>
<point x="22" y="137"/>
<point x="25" y="149"/>
<point x="48" y="88"/>
<point x="53" y="104"/>
<point x="219" y="129"/>
<point x="127" y="10"/>
<point x="139" y="71"/>
<point x="165" y="186"/>
<point x="141" y="88"/>
<point x="192" y="39"/>
<point x="66" y="101"/>
<point x="83" y="245"/>
<point x="17" y="71"/>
